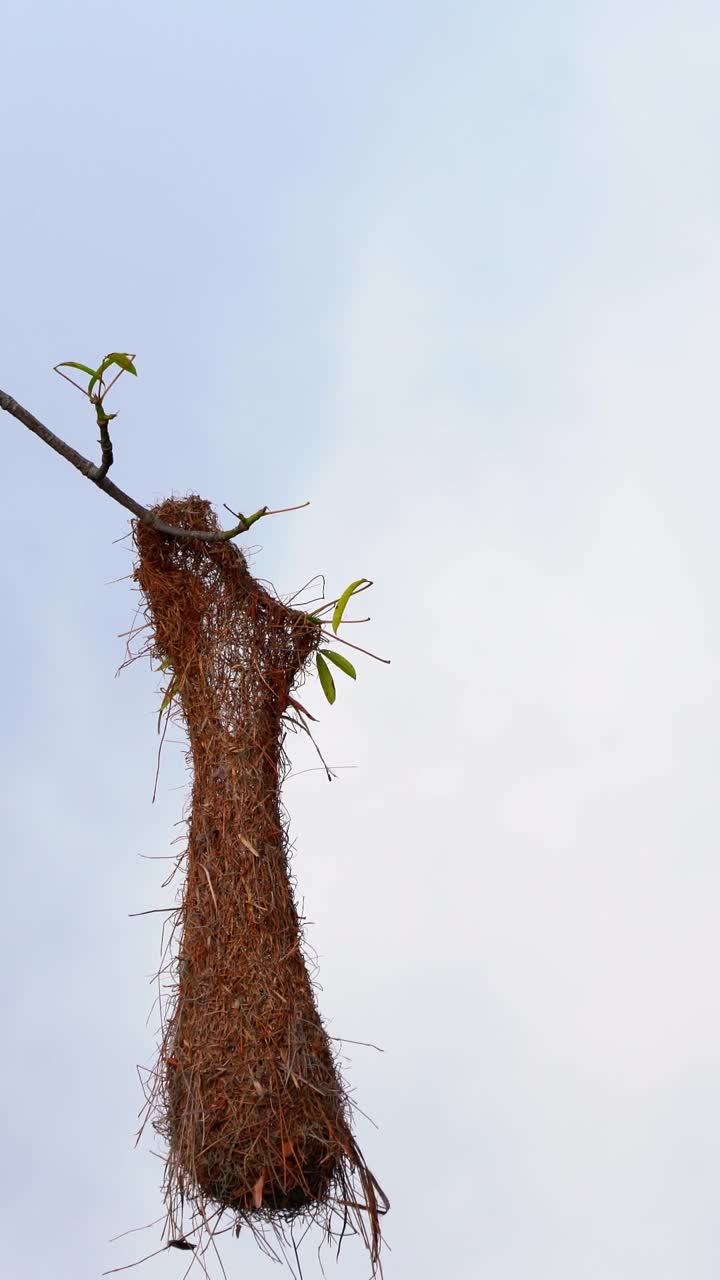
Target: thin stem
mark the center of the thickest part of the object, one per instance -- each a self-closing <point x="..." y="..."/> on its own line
<point x="281" y="511"/>
<point x="105" y="443"/>
<point x="72" y="382"/>
<point x="306" y="729"/>
<point x="245" y="522"/>
<point x="119" y="374"/>
<point x="350" y="645"/>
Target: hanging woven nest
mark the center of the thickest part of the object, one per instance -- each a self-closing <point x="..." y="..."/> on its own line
<point x="246" y="1092"/>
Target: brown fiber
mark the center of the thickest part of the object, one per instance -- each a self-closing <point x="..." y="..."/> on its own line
<point x="246" y="1092"/>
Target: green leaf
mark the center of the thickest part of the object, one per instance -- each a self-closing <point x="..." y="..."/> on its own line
<point x="167" y="662"/>
<point x="96" y="378"/>
<point x="173" y="689"/>
<point x="341" y="662"/>
<point x="115" y="357"/>
<point x="73" y="364"/>
<point x="342" y="603"/>
<point x="122" y="359"/>
<point x="326" y="680"/>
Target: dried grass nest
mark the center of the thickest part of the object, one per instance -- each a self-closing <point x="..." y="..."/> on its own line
<point x="246" y="1091"/>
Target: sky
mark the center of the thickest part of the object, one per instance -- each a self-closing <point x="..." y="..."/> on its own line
<point x="450" y="272"/>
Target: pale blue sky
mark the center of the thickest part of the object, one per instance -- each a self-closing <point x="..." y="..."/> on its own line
<point x="450" y="271"/>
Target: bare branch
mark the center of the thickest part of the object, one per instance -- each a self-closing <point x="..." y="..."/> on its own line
<point x="105" y="442"/>
<point x="98" y="475"/>
<point x="33" y="424"/>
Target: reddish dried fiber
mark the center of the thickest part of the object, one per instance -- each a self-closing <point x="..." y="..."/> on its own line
<point x="246" y="1092"/>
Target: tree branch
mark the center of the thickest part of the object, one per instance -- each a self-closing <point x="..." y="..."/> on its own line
<point x="99" y="477"/>
<point x="105" y="442"/>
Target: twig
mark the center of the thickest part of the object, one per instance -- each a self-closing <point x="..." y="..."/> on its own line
<point x="132" y="1230"/>
<point x="99" y="477"/>
<point x="128" y="1266"/>
<point x="105" y="444"/>
<point x="305" y="728"/>
<point x="245" y="522"/>
<point x="171" y="1244"/>
<point x="356" y="646"/>
<point x="304" y="587"/>
<point x="316" y="769"/>
<point x="152" y="912"/>
<point x="119" y="374"/>
<point x="281" y="511"/>
<point x="159" y="754"/>
<point x="366" y="1044"/>
<point x="73" y="383"/>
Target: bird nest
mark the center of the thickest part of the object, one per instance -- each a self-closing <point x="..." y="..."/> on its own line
<point x="246" y="1091"/>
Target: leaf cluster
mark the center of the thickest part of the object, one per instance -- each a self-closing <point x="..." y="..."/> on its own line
<point x="96" y="389"/>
